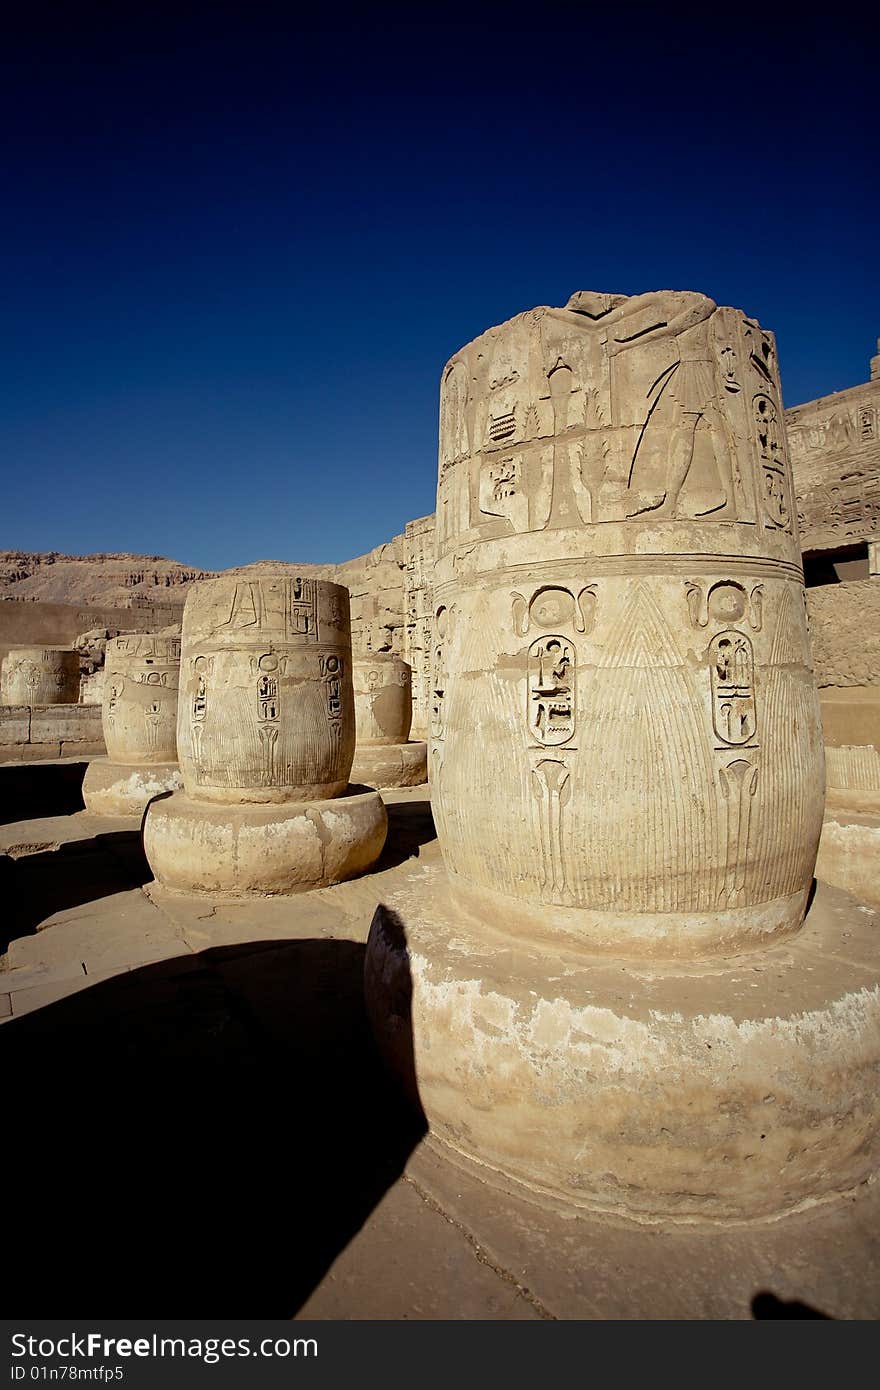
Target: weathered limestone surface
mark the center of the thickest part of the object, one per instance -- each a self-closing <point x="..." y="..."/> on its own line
<point x="91" y="688"/>
<point x="34" y="734"/>
<point x="419" y="586"/>
<point x="849" y="850"/>
<point x="382" y="699"/>
<point x="383" y="717"/>
<point x="845" y="631"/>
<point x="139" y="715"/>
<point x="835" y="452"/>
<point x="851" y="723"/>
<point x="621" y="657"/>
<point x="126" y="789"/>
<point x="66" y="724"/>
<point x="266" y="735"/>
<point x="59" y="624"/>
<point x="608" y="995"/>
<point x="140" y="698"/>
<point x="266" y="709"/>
<point x="276" y="848"/>
<point x="39" y="676"/>
<point x="706" y="1090"/>
<point x="15" y="728"/>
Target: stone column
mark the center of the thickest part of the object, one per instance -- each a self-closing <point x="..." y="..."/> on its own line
<point x="266" y="738"/>
<point x="623" y="685"/>
<point x="39" y="676"/>
<point x="139" y="716"/>
<point x="385" y="756"/>
<point x="626" y="771"/>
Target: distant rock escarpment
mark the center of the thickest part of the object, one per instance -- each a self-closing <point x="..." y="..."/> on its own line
<point x="108" y="581"/>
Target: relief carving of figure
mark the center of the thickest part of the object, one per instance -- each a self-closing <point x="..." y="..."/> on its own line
<point x="683" y="398"/>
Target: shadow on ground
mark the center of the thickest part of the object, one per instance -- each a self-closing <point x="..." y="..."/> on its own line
<point x="767" y="1305"/>
<point x="410" y="826"/>
<point x="40" y="789"/>
<point x="35" y="886"/>
<point x="210" y="1132"/>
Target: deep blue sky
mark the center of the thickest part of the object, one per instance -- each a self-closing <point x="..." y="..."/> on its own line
<point x="238" y="246"/>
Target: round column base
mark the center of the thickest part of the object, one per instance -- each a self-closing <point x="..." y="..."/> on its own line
<point x="727" y="1089"/>
<point x="391" y="764"/>
<point x="258" y="850"/>
<point x="126" y="789"/>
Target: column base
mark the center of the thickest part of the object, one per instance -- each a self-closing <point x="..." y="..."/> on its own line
<point x="849" y="852"/>
<point x="126" y="789"/>
<point x="391" y="764"/>
<point x="728" y="1089"/>
<point x="258" y="850"/>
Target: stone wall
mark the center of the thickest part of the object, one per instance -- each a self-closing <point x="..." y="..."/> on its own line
<point x="391" y="604"/>
<point x="834" y="444"/>
<point x="32" y="623"/>
<point x="845" y="632"/>
<point x="835" y="453"/>
<point x="419" y="607"/>
<point x="32" y="732"/>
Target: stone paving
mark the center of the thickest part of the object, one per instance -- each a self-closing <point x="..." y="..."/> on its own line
<point x="191" y="1088"/>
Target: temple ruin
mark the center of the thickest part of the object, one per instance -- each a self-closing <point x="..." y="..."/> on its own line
<point x="569" y="795"/>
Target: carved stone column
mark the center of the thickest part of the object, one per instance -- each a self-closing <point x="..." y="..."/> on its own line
<point x="39" y="676"/>
<point x="623" y="688"/>
<point x="265" y="736"/>
<point x="139" y="716"/>
<point x="613" y="1001"/>
<point x="385" y="756"/>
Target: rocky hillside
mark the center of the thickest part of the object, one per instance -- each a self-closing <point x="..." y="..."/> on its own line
<point x="106" y="581"/>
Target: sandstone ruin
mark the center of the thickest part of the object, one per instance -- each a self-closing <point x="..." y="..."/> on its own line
<point x="384" y="756"/>
<point x="265" y="738"/>
<point x="139" y="717"/>
<point x="835" y="448"/>
<point x="627" y="779"/>
<point x="39" y="676"/>
<point x="620" y="988"/>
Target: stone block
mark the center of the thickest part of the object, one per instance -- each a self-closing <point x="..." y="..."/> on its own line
<point x="66" y="724"/>
<point x="15" y="724"/>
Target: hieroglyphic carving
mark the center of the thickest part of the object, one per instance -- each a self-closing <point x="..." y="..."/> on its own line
<point x="769" y="438"/>
<point x="303" y="619"/>
<point x="739" y="782"/>
<point x="199" y="709"/>
<point x="419" y="545"/>
<point x="551" y="691"/>
<point x="332" y="672"/>
<point x="267" y="715"/>
<point x="551" y="787"/>
<point x="732" y="672"/>
<point x="835" y="449"/>
<point x="39" y="676"/>
<point x="268" y="711"/>
<point x="663" y="404"/>
<point x="438" y="673"/>
<point x="725" y="601"/>
<point x="152" y="719"/>
<point x="554" y="606"/>
<point x="636" y="435"/>
<point x="140" y="698"/>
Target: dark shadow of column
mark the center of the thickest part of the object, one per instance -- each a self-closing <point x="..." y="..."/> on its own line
<point x="211" y="1131"/>
<point x="79" y="871"/>
<point x="767" y="1305"/>
<point x="33" y="789"/>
